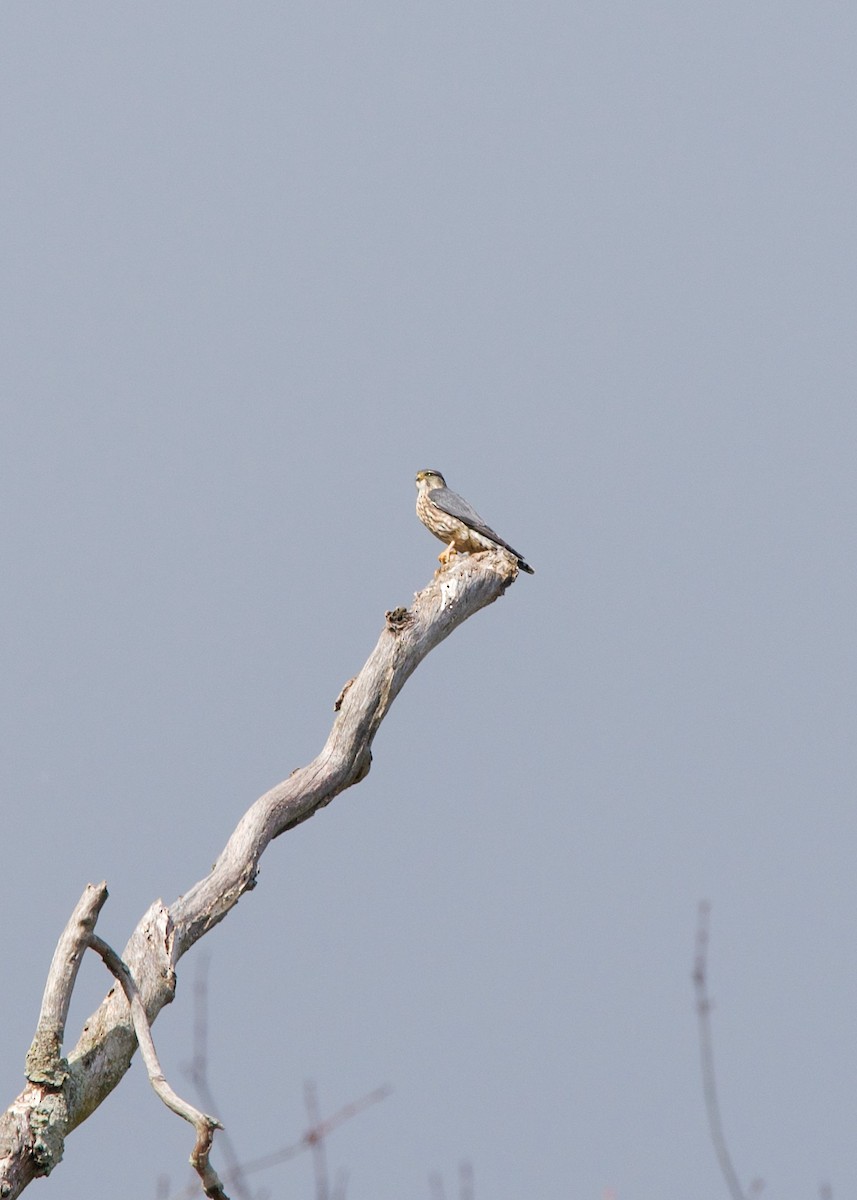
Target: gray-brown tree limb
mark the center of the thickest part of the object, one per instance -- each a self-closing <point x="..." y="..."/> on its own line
<point x="60" y="1094"/>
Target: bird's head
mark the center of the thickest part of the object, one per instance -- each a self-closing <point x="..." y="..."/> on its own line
<point x="429" y="480"/>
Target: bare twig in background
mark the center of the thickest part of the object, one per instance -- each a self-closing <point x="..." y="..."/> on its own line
<point x="436" y="1186"/>
<point x="309" y="1139"/>
<point x="34" y="1126"/>
<point x="318" y="1130"/>
<point x="340" y="1185"/>
<point x="465" y="1183"/>
<point x="703" y="1014"/>
<point x="197" y="1071"/>
<point x="322" y="1130"/>
<point x="316" y="1136"/>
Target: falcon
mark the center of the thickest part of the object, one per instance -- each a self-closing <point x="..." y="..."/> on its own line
<point x="450" y="518"/>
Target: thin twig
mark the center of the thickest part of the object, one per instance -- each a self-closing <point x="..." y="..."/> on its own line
<point x="323" y="1129"/>
<point x="202" y="1123"/>
<point x="315" y="1136"/>
<point x="197" y="1071"/>
<point x="435" y="1180"/>
<point x="340" y="1184"/>
<point x="703" y="1013"/>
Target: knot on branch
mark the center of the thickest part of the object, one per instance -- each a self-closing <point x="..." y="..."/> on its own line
<point x="398" y="618"/>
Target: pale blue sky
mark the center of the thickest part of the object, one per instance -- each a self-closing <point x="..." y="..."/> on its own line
<point x="596" y="263"/>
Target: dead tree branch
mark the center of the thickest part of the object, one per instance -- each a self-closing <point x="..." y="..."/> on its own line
<point x="44" y="1063"/>
<point x="202" y="1123"/>
<point x="107" y="1044"/>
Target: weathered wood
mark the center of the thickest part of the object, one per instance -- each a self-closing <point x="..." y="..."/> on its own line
<point x="44" y="1062"/>
<point x="62" y="1100"/>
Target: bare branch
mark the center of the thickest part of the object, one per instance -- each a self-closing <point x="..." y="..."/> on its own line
<point x="44" y="1064"/>
<point x="315" y="1138"/>
<point x="470" y="583"/>
<point x="339" y="1186"/>
<point x="202" y="1123"/>
<point x="108" y="1041"/>
<point x="703" y="1013"/>
<point x="327" y="1126"/>
<point x="33" y="1128"/>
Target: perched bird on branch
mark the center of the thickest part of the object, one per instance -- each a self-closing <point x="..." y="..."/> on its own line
<point x="451" y="519"/>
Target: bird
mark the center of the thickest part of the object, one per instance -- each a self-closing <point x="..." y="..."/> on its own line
<point x="449" y="517"/>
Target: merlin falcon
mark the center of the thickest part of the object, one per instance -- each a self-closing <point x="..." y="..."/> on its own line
<point x="450" y="518"/>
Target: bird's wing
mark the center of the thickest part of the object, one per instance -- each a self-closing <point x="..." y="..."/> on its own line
<point x="456" y="506"/>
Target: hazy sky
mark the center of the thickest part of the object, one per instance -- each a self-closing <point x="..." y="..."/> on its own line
<point x="596" y="263"/>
